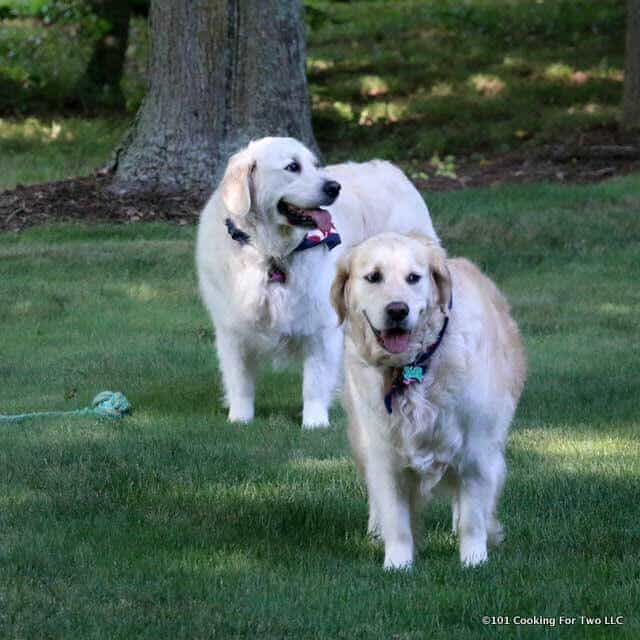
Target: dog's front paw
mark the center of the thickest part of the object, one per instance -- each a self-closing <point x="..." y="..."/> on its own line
<point x="241" y="411"/>
<point x="315" y="416"/>
<point x="240" y="418"/>
<point x="473" y="553"/>
<point x="398" y="557"/>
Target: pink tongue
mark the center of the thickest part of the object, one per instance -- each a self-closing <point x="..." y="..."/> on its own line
<point x="322" y="219"/>
<point x="395" y="342"/>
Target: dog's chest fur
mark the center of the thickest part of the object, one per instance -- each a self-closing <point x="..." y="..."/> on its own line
<point x="297" y="307"/>
<point x="425" y="435"/>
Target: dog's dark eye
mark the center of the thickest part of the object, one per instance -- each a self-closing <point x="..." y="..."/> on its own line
<point x="294" y="167"/>
<point x="373" y="277"/>
<point x="413" y="278"/>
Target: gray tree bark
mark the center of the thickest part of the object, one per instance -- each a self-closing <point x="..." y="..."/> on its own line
<point x="222" y="72"/>
<point x="631" y="99"/>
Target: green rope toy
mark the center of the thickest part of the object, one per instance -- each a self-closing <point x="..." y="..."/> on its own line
<point x="107" y="404"/>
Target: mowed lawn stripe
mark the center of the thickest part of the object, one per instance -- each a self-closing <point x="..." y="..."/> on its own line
<point x="174" y="524"/>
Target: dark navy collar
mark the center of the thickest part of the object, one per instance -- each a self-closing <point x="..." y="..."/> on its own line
<point x="236" y="234"/>
<point x="311" y="239"/>
<point x="414" y="372"/>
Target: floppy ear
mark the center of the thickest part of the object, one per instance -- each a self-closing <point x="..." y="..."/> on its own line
<point x="438" y="269"/>
<point x="339" y="288"/>
<point x="235" y="185"/>
<point x="442" y="277"/>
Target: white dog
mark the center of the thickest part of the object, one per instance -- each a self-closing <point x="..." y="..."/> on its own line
<point x="434" y="368"/>
<point x="266" y="255"/>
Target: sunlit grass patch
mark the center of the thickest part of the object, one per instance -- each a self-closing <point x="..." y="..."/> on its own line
<point x="612" y="309"/>
<point x="479" y="76"/>
<point x="583" y="450"/>
<point x="441" y="89"/>
<point x="559" y="71"/>
<point x="373" y="86"/>
<point x="320" y="465"/>
<point x="487" y="85"/>
<point x="376" y="112"/>
<point x="33" y="131"/>
<point x="44" y="149"/>
<point x="143" y="292"/>
<point x="319" y="64"/>
<point x="214" y="563"/>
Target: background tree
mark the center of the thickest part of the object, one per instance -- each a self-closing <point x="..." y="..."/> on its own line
<point x="100" y="84"/>
<point x="221" y="73"/>
<point x="631" y="100"/>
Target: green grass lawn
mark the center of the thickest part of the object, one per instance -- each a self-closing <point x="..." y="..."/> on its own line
<point x="410" y="78"/>
<point x="175" y="524"/>
<point x="46" y="149"/>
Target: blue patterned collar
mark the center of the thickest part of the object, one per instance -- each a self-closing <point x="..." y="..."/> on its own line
<point x="311" y="239"/>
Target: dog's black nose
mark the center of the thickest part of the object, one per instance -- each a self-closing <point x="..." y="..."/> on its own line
<point x="331" y="188"/>
<point x="397" y="311"/>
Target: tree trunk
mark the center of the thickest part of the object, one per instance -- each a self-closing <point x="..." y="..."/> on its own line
<point x="222" y="72"/>
<point x="631" y="100"/>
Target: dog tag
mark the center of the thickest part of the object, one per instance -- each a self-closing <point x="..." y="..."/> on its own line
<point x="409" y="374"/>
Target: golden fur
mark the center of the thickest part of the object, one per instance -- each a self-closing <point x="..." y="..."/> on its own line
<point x="448" y="431"/>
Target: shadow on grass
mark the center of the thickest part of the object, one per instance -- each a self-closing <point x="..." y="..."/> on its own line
<point x="279" y="395"/>
<point x="168" y="496"/>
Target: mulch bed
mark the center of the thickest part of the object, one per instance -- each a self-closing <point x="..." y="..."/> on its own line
<point x="556" y="164"/>
<point x="594" y="156"/>
<point x="93" y="198"/>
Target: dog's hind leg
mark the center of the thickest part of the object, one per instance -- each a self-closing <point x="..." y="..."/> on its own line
<point x="322" y="357"/>
<point x="418" y="500"/>
<point x="455" y="515"/>
<point x="478" y="493"/>
<point x="472" y="524"/>
<point x="495" y="532"/>
<point x="374" y="530"/>
<point x="237" y="375"/>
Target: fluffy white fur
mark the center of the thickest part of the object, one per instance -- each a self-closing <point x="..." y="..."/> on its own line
<point x="449" y="431"/>
<point x="255" y="320"/>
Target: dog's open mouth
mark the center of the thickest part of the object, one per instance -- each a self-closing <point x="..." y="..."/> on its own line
<point x="314" y="218"/>
<point x="395" y="340"/>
